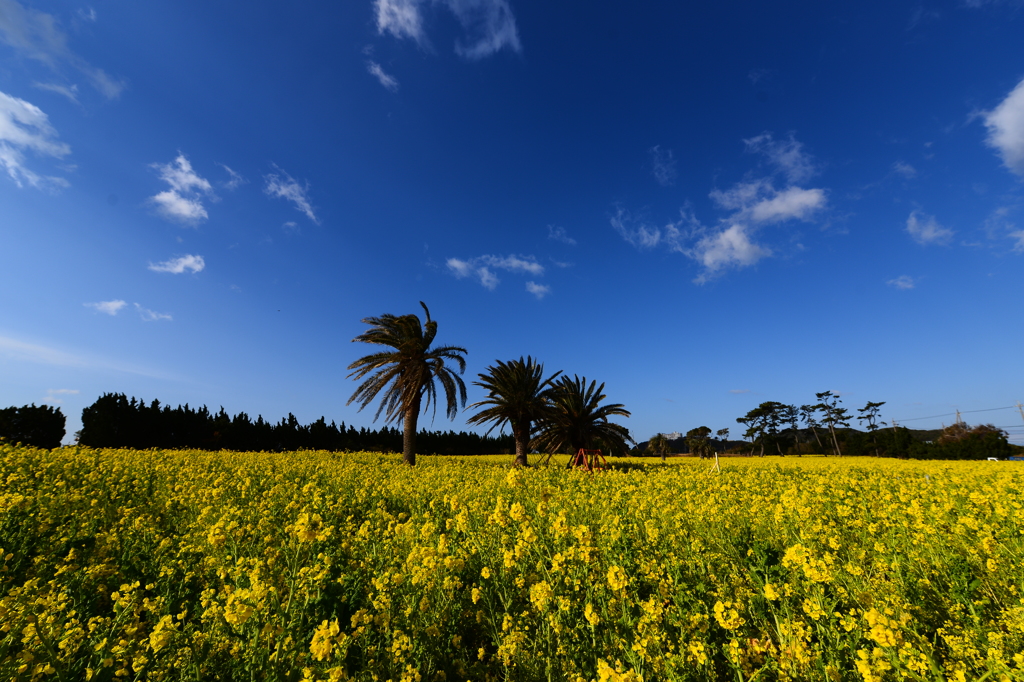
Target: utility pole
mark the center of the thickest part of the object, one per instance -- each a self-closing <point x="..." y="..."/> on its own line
<point x="1020" y="408"/>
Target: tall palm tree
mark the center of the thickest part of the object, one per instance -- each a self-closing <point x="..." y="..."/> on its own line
<point x="407" y="373"/>
<point x="578" y="420"/>
<point x="517" y="395"/>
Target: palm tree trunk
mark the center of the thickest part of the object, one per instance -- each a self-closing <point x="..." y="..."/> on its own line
<point x="521" y="435"/>
<point x="412" y="415"/>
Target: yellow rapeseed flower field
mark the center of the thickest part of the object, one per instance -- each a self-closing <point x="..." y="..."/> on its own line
<point x="190" y="565"/>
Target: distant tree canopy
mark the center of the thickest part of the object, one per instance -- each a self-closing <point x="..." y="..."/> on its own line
<point x="114" y="421"/>
<point x="41" y="427"/>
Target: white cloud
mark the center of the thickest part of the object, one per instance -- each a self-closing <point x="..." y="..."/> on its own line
<point x="663" y="165"/>
<point x="904" y="169"/>
<point x="389" y="82"/>
<point x="792" y="203"/>
<point x="236" y="179"/>
<point x="285" y="186"/>
<point x="515" y="263"/>
<point x="902" y="282"/>
<point x="291" y="227"/>
<point x="38" y="36"/>
<point x="183" y="201"/>
<point x="87" y="14"/>
<point x="538" y="290"/>
<point x="730" y="247"/>
<point x="786" y="155"/>
<point x="24" y="127"/>
<point x="1005" y="126"/>
<point x="483" y="267"/>
<point x="400" y="18"/>
<point x="489" y="25"/>
<point x="108" y="307"/>
<point x="177" y="266"/>
<point x="559" y="234"/>
<point x="926" y="230"/>
<point x="148" y="315"/>
<point x="70" y="92"/>
<point x="751" y="204"/>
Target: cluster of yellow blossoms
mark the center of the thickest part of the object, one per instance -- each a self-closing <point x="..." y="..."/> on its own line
<point x="315" y="566"/>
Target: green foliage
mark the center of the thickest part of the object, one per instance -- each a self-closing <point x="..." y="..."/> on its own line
<point x="114" y="421"/>
<point x="517" y="395"/>
<point x="406" y="374"/>
<point x="42" y="426"/>
<point x="579" y="420"/>
<point x="699" y="442"/>
<point x="959" y="441"/>
<point x="658" y="446"/>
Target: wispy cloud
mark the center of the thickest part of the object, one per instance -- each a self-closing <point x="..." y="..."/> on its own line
<point x="183" y="201"/>
<point x="1005" y="126"/>
<point x="38" y="36"/>
<point x="483" y="267"/>
<point x="87" y="14"/>
<point x="786" y="155"/>
<point x="148" y="315"/>
<point x="53" y="395"/>
<point x="24" y="127"/>
<point x="751" y="205"/>
<point x="663" y="165"/>
<point x="904" y="169"/>
<point x="559" y="234"/>
<point x="70" y="92"/>
<point x="640" y="233"/>
<point x="903" y="282"/>
<point x="284" y="186"/>
<point x="538" y="290"/>
<point x="291" y="227"/>
<point x="925" y="230"/>
<point x="107" y="307"/>
<point x="738" y="391"/>
<point x="389" y="82"/>
<point x="400" y="18"/>
<point x="45" y="355"/>
<point x="177" y="266"/>
<point x="489" y="25"/>
<point x="1018" y="237"/>
<point x="234" y="181"/>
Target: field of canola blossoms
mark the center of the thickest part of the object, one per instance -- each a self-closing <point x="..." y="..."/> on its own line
<point x="188" y="565"/>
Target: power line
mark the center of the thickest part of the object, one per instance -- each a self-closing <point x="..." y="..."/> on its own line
<point x="953" y="414"/>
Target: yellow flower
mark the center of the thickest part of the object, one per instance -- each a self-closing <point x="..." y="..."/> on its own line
<point x="540" y="595"/>
<point x="161" y="634"/>
<point x="590" y="614"/>
<point x="617" y="578"/>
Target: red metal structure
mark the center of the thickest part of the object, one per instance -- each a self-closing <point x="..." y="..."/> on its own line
<point x="589" y="460"/>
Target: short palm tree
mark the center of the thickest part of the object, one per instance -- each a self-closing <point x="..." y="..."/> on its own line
<point x="577" y="420"/>
<point x="517" y="395"/>
<point x="407" y="373"/>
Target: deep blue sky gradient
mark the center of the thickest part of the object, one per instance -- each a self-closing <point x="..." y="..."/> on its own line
<point x="888" y="112"/>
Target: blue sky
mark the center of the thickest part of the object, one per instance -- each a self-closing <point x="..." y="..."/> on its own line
<point x="703" y="206"/>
